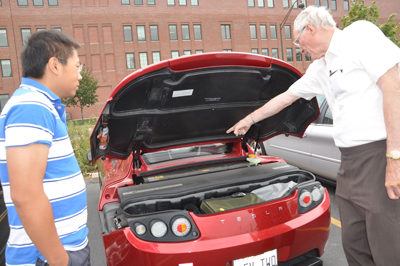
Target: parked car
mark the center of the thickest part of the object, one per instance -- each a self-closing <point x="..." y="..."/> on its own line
<point x="4" y="228"/>
<point x="177" y="190"/>
<point x="315" y="152"/>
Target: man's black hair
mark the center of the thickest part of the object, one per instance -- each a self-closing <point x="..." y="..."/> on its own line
<point x="43" y="45"/>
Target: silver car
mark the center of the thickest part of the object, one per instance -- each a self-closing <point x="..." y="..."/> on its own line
<point x="315" y="152"/>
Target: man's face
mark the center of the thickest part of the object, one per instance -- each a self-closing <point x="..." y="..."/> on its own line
<point x="69" y="76"/>
<point x="309" y="41"/>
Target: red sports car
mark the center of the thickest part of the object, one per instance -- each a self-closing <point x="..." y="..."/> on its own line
<point x="177" y="190"/>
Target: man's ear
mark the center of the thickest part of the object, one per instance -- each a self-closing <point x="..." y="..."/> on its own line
<point x="311" y="29"/>
<point x="53" y="65"/>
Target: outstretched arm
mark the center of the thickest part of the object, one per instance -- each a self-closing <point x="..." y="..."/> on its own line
<point x="269" y="109"/>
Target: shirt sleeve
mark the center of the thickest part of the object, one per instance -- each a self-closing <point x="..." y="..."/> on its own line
<point x="376" y="52"/>
<point x="307" y="86"/>
<point x="28" y="124"/>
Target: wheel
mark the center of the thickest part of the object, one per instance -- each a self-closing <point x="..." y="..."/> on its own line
<point x="260" y="147"/>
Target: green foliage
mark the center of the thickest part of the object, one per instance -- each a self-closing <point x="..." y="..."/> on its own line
<point x="80" y="140"/>
<point x="86" y="94"/>
<point x="359" y="11"/>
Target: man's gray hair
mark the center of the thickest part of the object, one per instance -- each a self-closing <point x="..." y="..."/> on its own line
<point x="316" y="16"/>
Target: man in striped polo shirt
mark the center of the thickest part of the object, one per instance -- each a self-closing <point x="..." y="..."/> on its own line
<point x="44" y="190"/>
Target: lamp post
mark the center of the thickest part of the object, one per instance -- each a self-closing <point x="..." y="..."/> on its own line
<point x="282" y="24"/>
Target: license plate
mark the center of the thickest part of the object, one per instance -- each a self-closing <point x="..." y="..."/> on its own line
<point x="269" y="258"/>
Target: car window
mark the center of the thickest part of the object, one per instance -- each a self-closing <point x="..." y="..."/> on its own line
<point x="328" y="118"/>
<point x="320" y="99"/>
<point x="186" y="152"/>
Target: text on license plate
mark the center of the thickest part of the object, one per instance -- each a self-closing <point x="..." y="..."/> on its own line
<point x="269" y="258"/>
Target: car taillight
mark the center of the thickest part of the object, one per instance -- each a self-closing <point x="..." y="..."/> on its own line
<point x="310" y="195"/>
<point x="140" y="229"/>
<point x="158" y="228"/>
<point x="181" y="227"/>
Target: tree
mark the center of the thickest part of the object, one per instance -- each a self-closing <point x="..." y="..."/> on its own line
<point x="359" y="11"/>
<point x="86" y="94"/>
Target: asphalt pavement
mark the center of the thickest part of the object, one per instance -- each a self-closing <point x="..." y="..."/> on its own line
<point x="333" y="255"/>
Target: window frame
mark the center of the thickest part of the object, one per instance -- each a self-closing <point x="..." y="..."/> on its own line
<point x="285" y="4"/>
<point x="185" y="35"/>
<point x="346" y="8"/>
<point x="6" y="37"/>
<point x="196" y="2"/>
<point x="151" y="33"/>
<point x="158" y="55"/>
<point x="176" y="31"/>
<point x="36" y="4"/>
<point x="24" y="40"/>
<point x="264" y="49"/>
<point x="253" y="31"/>
<point x="288" y="32"/>
<point x="299" y="55"/>
<point x="196" y="35"/>
<point x="262" y="3"/>
<point x="2" y="106"/>
<point x="130" y="31"/>
<point x="325" y="2"/>
<point x="263" y="32"/>
<point x="140" y="59"/>
<point x="270" y="1"/>
<point x="53" y="4"/>
<point x="127" y="2"/>
<point x="317" y="3"/>
<point x="19" y="4"/>
<point x="275" y="51"/>
<point x="226" y="28"/>
<point x="172" y="54"/>
<point x="333" y="5"/>
<point x="133" y="60"/>
<point x="144" y="33"/>
<point x="183" y="2"/>
<point x="169" y="2"/>
<point x="254" y="50"/>
<point x="287" y="54"/>
<point x="272" y="29"/>
<point x="134" y="2"/>
<point x="151" y="4"/>
<point x="251" y="3"/>
<point x="2" y="68"/>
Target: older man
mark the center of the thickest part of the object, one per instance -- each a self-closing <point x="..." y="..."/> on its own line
<point x="358" y="71"/>
<point x="44" y="190"/>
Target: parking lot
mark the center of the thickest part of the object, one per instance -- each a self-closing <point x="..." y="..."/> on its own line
<point x="333" y="256"/>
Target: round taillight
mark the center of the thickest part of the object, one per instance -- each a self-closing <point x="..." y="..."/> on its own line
<point x="140" y="229"/>
<point x="181" y="227"/>
<point x="316" y="194"/>
<point x="158" y="228"/>
<point x="305" y="199"/>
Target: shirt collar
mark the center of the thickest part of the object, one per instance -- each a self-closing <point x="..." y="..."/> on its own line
<point x="334" y="46"/>
<point x="51" y="95"/>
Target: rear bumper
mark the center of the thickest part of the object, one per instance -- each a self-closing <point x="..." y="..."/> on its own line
<point x="293" y="240"/>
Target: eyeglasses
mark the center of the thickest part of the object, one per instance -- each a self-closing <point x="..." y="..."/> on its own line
<point x="296" y="42"/>
<point x="79" y="67"/>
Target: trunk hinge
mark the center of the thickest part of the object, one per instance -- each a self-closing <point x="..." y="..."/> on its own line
<point x="245" y="138"/>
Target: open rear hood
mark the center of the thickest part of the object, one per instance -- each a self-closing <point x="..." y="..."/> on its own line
<point x="194" y="99"/>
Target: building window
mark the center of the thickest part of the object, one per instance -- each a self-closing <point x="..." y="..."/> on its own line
<point x="143" y="60"/>
<point x="288" y="34"/>
<point x="138" y="2"/>
<point x="174" y="54"/>
<point x="226" y="32"/>
<point x="40" y="29"/>
<point x="272" y="29"/>
<point x="3" y="38"/>
<point x="130" y="61"/>
<point x="253" y="32"/>
<point x="182" y="2"/>
<point x="263" y="31"/>
<point x="317" y="3"/>
<point x="156" y="57"/>
<point x="227" y="50"/>
<point x="3" y="97"/>
<point x="333" y="5"/>
<point x="199" y="51"/>
<point x="187" y="52"/>
<point x="141" y="34"/>
<point x="254" y="51"/>
<point x="294" y="3"/>
<point x="346" y="5"/>
<point x="25" y="34"/>
<point x="38" y="2"/>
<point x="299" y="56"/>
<point x="260" y="3"/>
<point x="285" y="3"/>
<point x="154" y="32"/>
<point x="128" y="34"/>
<point x="185" y="32"/>
<point x="53" y="2"/>
<point x="6" y="68"/>
<point x="194" y="2"/>
<point x="325" y="4"/>
<point x="172" y="32"/>
<point x="125" y="2"/>
<point x="289" y="54"/>
<point x="264" y="51"/>
<point x="22" y="2"/>
<point x="275" y="53"/>
<point x="151" y="2"/>
<point x="270" y="3"/>
<point x="250" y="3"/>
<point x="171" y="2"/>
<point x="197" y="31"/>
<point x="308" y="58"/>
<point x="56" y="28"/>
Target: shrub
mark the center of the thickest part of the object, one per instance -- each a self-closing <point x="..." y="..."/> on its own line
<point x="80" y="140"/>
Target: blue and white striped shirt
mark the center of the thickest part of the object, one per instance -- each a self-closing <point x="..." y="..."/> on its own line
<point x="34" y="114"/>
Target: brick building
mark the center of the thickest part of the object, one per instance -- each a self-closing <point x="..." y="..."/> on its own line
<point x="121" y="36"/>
